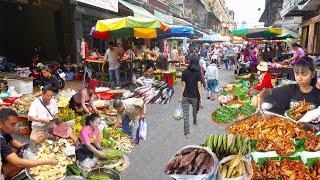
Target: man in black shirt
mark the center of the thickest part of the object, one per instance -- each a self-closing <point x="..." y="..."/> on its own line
<point x="49" y="79"/>
<point x="12" y="164"/>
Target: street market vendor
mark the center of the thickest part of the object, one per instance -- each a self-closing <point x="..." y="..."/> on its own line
<point x="90" y="137"/>
<point x="42" y="112"/>
<point x="49" y="79"/>
<point x="264" y="79"/>
<point x="298" y="53"/>
<point x="286" y="97"/>
<point x="129" y="109"/>
<point x="83" y="96"/>
<point x="12" y="163"/>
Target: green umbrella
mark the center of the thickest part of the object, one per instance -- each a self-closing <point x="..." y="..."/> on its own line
<point x="263" y="32"/>
<point x="287" y="33"/>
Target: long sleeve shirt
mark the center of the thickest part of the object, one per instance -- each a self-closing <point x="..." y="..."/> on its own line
<point x="265" y="82"/>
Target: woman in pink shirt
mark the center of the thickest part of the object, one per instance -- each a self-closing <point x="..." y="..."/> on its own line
<point x="90" y="139"/>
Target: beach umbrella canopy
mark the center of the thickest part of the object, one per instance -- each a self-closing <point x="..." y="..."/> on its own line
<point x="264" y="32"/>
<point x="128" y="27"/>
<point x="287" y="33"/>
<point x="177" y="31"/>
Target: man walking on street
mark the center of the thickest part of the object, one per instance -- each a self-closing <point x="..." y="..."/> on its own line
<point x="111" y="57"/>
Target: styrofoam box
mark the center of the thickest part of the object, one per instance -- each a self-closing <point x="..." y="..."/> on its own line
<point x="23" y="87"/>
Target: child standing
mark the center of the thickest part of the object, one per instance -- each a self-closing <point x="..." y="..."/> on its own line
<point x="212" y="75"/>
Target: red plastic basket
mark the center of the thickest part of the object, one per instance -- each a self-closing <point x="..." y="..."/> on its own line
<point x="104" y="96"/>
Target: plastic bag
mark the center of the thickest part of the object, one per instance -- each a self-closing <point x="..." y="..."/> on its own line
<point x="178" y="113"/>
<point x="141" y="130"/>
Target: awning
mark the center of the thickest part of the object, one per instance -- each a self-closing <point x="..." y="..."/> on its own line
<point x="163" y="17"/>
<point x="179" y="21"/>
<point x="138" y="11"/>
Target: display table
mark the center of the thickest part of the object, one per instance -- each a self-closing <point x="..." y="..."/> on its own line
<point x="283" y="70"/>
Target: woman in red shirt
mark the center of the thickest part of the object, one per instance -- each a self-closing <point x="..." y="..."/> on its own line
<point x="264" y="79"/>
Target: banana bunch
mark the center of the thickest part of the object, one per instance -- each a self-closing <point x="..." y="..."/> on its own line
<point x="225" y="145"/>
<point x="234" y="168"/>
<point x="66" y="114"/>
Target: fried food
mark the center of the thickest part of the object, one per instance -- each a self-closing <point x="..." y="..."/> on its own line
<point x="286" y="169"/>
<point x="257" y="173"/>
<point x="294" y="170"/>
<point x="315" y="170"/>
<point x="300" y="110"/>
<point x="312" y="144"/>
<point x="283" y="147"/>
<point x="271" y="169"/>
<point x="270" y="127"/>
<point x="265" y="145"/>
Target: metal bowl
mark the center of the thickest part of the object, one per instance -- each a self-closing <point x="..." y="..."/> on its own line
<point x="74" y="178"/>
<point x="113" y="175"/>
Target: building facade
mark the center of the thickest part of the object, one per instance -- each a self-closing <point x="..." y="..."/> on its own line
<point x="309" y="12"/>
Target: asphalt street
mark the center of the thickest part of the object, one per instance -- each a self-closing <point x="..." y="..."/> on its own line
<point x="165" y="136"/>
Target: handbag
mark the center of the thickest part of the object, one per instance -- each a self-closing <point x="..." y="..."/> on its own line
<point x="61" y="130"/>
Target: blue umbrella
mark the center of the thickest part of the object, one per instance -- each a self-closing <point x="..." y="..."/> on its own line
<point x="177" y="31"/>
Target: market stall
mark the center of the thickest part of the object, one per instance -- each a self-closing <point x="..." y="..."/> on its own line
<point x="258" y="145"/>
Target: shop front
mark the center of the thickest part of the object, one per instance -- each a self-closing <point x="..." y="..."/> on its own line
<point x="26" y="25"/>
<point x="86" y="14"/>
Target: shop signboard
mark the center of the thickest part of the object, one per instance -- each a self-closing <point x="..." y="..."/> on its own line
<point x="175" y="9"/>
<point x="111" y="5"/>
<point x="163" y="17"/>
<point x="160" y="6"/>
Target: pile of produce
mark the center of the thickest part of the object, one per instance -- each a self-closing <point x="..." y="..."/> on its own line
<point x="190" y="161"/>
<point x="66" y="114"/>
<point x="299" y="111"/>
<point x="246" y="109"/>
<point x="113" y="157"/>
<point x="285" y="169"/>
<point x="234" y="167"/>
<point x="269" y="126"/>
<point x="64" y="97"/>
<point x="116" y="139"/>
<point x="225" y="145"/>
<point x="46" y="151"/>
<point x="224" y="115"/>
<point x="74" y="169"/>
<point x="21" y="106"/>
<point x="225" y="98"/>
<point x="79" y="123"/>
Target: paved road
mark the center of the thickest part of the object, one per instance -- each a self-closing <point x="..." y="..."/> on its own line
<point x="165" y="136"/>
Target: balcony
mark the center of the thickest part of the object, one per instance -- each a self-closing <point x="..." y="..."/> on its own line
<point x="309" y="5"/>
<point x="291" y="8"/>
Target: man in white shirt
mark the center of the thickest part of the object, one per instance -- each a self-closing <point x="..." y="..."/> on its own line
<point x="42" y="112"/>
<point x="111" y="57"/>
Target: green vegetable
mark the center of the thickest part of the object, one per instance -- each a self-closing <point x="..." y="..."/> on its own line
<point x="246" y="109"/>
<point x="75" y="170"/>
<point x="224" y="114"/>
<point x="113" y="154"/>
<point x="99" y="177"/>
